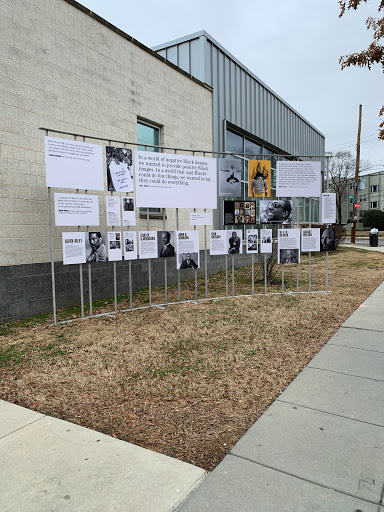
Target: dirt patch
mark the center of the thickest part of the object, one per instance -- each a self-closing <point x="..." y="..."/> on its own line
<point x="187" y="380"/>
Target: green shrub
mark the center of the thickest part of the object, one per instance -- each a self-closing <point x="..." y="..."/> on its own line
<point x="373" y="219"/>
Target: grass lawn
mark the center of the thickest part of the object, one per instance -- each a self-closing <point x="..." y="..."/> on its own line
<point x="187" y="380"/>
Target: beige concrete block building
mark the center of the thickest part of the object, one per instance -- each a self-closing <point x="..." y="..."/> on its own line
<point x="64" y="68"/>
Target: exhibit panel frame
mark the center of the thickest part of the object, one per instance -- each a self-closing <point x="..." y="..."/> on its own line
<point x="179" y="153"/>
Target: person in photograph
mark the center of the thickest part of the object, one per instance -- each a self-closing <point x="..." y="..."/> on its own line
<point x="289" y="256"/>
<point x="98" y="249"/>
<point x="128" y="205"/>
<point x="129" y="245"/>
<point x="167" y="251"/>
<point x="188" y="262"/>
<point x="252" y="243"/>
<point x="327" y="239"/>
<point x="234" y="244"/>
<point x="232" y="178"/>
<point x="278" y="212"/>
<point x="259" y="185"/>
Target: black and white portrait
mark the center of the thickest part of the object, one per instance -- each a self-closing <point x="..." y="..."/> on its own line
<point x="276" y="212"/>
<point x="289" y="256"/>
<point x="189" y="260"/>
<point x="95" y="247"/>
<point x="166" y="244"/>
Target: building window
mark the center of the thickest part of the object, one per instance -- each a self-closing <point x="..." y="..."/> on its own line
<point x="247" y="149"/>
<point x="374" y="188"/>
<point x="362" y="184"/>
<point x="148" y="135"/>
<point x="363" y="199"/>
<point x="374" y="204"/>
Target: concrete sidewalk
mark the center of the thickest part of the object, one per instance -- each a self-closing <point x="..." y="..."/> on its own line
<point x="320" y="445"/>
<point x="50" y="465"/>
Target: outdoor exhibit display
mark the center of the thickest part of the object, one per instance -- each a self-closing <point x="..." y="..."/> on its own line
<point x="239" y="212"/>
<point x="128" y="208"/>
<point x="113" y="210"/>
<point x="310" y="239"/>
<point x="230" y="177"/>
<point x="266" y="241"/>
<point x="259" y="178"/>
<point x="298" y="179"/>
<point x="328" y="208"/>
<point x="252" y="240"/>
<point x="73" y="248"/>
<point x="115" y="252"/>
<point x="188" y="254"/>
<point x="226" y="242"/>
<point x="76" y="210"/>
<point x="288" y="246"/>
<point x="130" y="245"/>
<point x="166" y="180"/>
<point x="119" y="169"/>
<point x="276" y="211"/>
<point x="72" y="164"/>
<point x="178" y="181"/>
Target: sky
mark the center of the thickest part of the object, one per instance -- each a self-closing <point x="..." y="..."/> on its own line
<point x="293" y="46"/>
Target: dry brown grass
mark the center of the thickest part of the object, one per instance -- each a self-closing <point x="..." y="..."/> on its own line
<point x="190" y="379"/>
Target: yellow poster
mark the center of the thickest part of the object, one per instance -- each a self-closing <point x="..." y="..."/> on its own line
<point x="259" y="178"/>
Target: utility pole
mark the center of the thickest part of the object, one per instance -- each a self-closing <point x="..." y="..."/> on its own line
<point x="353" y="233"/>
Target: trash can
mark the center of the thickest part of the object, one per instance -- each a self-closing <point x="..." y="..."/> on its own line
<point x="374" y="237"/>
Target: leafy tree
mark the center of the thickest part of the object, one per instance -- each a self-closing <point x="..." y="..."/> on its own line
<point x="373" y="219"/>
<point x="374" y="54"/>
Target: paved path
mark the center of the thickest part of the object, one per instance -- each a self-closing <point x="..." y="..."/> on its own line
<point x="320" y="445"/>
<point x="50" y="465"/>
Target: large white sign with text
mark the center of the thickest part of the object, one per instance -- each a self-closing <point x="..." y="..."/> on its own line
<point x="165" y="180"/>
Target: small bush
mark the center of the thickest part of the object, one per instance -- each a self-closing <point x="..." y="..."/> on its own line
<point x="373" y="219"/>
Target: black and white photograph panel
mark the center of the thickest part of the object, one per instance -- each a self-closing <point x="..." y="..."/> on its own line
<point x="276" y="211"/>
<point x="234" y="241"/>
<point x="95" y="248"/>
<point x="128" y="204"/>
<point x="327" y="239"/>
<point x="230" y="177"/>
<point x="119" y="169"/>
<point x="189" y="260"/>
<point x="289" y="256"/>
<point x="166" y="244"/>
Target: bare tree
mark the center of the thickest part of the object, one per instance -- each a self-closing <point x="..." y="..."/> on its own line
<point x="341" y="171"/>
<point x="374" y="54"/>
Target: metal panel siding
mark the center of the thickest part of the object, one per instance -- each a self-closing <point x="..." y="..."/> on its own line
<point x="172" y="54"/>
<point x="183" y="57"/>
<point x="228" y="88"/>
<point x="216" y="99"/>
<point x="208" y="64"/>
<point x="241" y="99"/>
<point x="194" y="59"/>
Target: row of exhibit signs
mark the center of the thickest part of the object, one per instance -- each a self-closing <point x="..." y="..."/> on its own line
<point x="165" y="180"/>
<point x="82" y="247"/>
